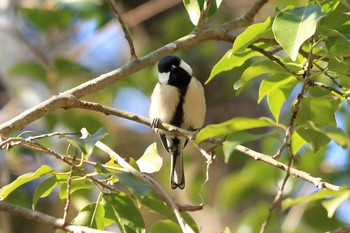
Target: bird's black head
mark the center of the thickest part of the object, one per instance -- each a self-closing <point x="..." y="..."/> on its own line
<point x="174" y="71"/>
<point x="167" y="63"/>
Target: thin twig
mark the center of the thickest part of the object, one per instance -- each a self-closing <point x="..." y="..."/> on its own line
<point x="69" y="179"/>
<point x="203" y="16"/>
<point x="270" y="56"/>
<point x="322" y="85"/>
<point x="300" y="97"/>
<point x="127" y="36"/>
<point x="278" y="198"/>
<point x="328" y="75"/>
<point x="316" y="181"/>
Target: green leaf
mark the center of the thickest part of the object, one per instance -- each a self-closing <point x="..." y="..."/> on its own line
<point x="44" y="189"/>
<point x="195" y="7"/>
<point x="230" y="61"/>
<point x="334" y="133"/>
<point x="332" y="205"/>
<point x="138" y="187"/>
<point x="237" y="138"/>
<point x="339" y="50"/>
<point x="23" y="179"/>
<point x="49" y="19"/>
<point x="154" y="203"/>
<point x="339" y="65"/>
<point x="121" y="209"/>
<point x="232" y="126"/>
<point x="332" y="200"/>
<point x="320" y="112"/>
<point x="91" y="215"/>
<point x="29" y="68"/>
<point x="165" y="226"/>
<point x="68" y="68"/>
<point x="320" y="195"/>
<point x="150" y="161"/>
<point x="86" y="145"/>
<point x="293" y="27"/>
<point x="251" y="34"/>
<point x="257" y="69"/>
<point x="345" y="3"/>
<point x="76" y="184"/>
<point x="297" y="142"/>
<point x="277" y="88"/>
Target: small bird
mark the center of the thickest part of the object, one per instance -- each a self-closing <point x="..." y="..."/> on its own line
<point x="177" y="99"/>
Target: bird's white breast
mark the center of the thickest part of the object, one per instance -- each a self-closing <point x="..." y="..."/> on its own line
<point x="194" y="106"/>
<point x="164" y="100"/>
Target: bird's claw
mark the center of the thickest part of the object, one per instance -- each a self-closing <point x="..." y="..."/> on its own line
<point x="155" y="123"/>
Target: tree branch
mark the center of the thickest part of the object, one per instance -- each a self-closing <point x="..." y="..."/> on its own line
<point x="37" y="216"/>
<point x="114" y="7"/>
<point x="104" y="80"/>
<point x="318" y="182"/>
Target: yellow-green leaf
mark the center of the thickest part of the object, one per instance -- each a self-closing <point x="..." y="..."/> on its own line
<point x="23" y="179"/>
<point x="150" y="161"/>
<point x="231" y="126"/>
<point x="294" y="26"/>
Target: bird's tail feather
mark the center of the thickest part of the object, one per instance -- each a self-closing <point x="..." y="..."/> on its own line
<point x="177" y="176"/>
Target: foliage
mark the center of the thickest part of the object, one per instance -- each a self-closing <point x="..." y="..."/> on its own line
<point x="299" y="61"/>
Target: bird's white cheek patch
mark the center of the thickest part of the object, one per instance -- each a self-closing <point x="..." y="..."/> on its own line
<point x="163" y="77"/>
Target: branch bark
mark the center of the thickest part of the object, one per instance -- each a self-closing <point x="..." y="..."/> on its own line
<point x="104" y="80"/>
<point x="37" y="216"/>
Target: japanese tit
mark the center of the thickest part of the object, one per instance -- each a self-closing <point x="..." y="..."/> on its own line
<point x="177" y="99"/>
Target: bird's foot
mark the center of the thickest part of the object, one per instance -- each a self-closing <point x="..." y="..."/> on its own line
<point x="155" y="123"/>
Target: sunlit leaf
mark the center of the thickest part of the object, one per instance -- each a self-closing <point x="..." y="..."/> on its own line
<point x="293" y="27"/>
<point x="251" y="34"/>
<point x="232" y="126"/>
<point x="195" y="7"/>
<point x="230" y="61"/>
<point x="257" y="69"/>
<point x="332" y="205"/>
<point x="297" y="142"/>
<point x="23" y="179"/>
<point x="150" y="161"/>
<point x="277" y="88"/>
<point x="317" y="196"/>
<point x="165" y="226"/>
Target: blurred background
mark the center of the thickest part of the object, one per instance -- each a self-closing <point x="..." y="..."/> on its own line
<point x="50" y="46"/>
